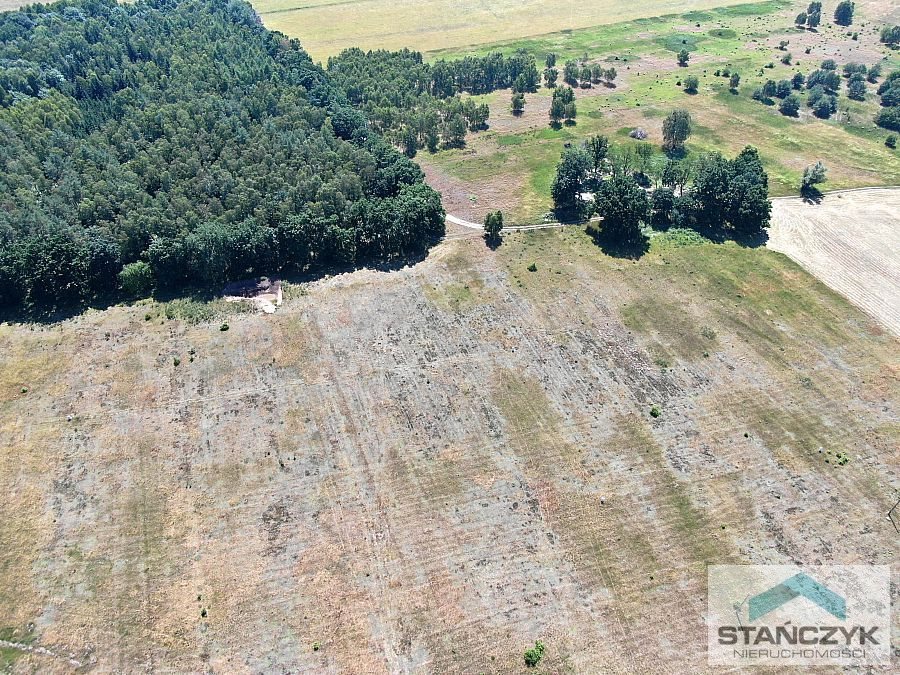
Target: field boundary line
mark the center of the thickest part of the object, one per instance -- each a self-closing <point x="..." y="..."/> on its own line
<point x="839" y="192"/>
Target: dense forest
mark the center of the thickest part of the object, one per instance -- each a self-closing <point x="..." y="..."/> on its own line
<point x="165" y="144"/>
<point x="418" y="105"/>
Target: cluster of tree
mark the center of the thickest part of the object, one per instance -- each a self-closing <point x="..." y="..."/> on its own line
<point x="727" y="197"/>
<point x="889" y="90"/>
<point x="586" y="75"/>
<point x="715" y="195"/>
<point x="562" y="106"/>
<point x="417" y="105"/>
<point x="186" y="144"/>
<point x="811" y="18"/>
<point x="823" y="85"/>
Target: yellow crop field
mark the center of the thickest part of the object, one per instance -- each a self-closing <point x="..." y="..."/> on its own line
<point x="327" y="26"/>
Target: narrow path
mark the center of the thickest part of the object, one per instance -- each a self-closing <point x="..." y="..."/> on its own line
<point x="512" y="228"/>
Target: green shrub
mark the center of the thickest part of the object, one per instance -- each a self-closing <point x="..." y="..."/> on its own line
<point x="533" y="655"/>
<point x="136" y="279"/>
<point x="532" y="267"/>
<point x="223" y="327"/>
<point x="655" y="411"/>
<point x="891" y="141"/>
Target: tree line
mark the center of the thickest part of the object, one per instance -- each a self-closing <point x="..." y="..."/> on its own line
<point x="163" y="144"/>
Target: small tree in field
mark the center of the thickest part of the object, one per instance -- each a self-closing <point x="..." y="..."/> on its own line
<point x="812" y="176"/>
<point x="790" y="106"/>
<point x="493" y="225"/>
<point x="550" y="77"/>
<point x="734" y="81"/>
<point x="676" y="129"/>
<point x="691" y="82"/>
<point x="843" y="14"/>
<point x="683" y="57"/>
<point x="518" y="103"/>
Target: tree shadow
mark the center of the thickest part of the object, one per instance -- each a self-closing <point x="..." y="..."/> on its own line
<point x="811" y="195"/>
<point x="569" y="216"/>
<point x="751" y="240"/>
<point x="630" y="250"/>
<point x="493" y="243"/>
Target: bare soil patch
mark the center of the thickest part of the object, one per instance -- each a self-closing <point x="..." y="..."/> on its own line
<point x="429" y="469"/>
<point x="851" y="241"/>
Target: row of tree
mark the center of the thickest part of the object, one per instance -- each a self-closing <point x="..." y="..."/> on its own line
<point x="186" y="144"/>
<point x="889" y="91"/>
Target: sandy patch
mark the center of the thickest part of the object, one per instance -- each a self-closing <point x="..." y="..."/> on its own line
<point x="851" y="241"/>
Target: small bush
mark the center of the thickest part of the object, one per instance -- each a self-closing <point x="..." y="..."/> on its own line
<point x="891" y="141"/>
<point x="532" y="267"/>
<point x="533" y="655"/>
<point x="655" y="411"/>
<point x="176" y="361"/>
<point x="316" y="646"/>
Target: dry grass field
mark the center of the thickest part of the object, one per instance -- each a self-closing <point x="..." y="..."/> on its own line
<point x="429" y="469"/>
<point x="851" y="241"/>
<point x="329" y="26"/>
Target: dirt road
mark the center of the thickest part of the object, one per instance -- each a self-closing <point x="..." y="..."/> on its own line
<point x="850" y="241"/>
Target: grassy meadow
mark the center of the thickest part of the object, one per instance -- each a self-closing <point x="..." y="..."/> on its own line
<point x="522" y="152"/>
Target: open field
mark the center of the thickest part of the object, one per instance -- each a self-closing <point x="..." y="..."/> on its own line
<point x="851" y="241"/>
<point x="403" y="472"/>
<point x="511" y="165"/>
<point x="329" y="26"/>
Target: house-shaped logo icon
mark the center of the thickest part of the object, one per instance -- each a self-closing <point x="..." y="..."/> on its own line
<point x="797" y="586"/>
